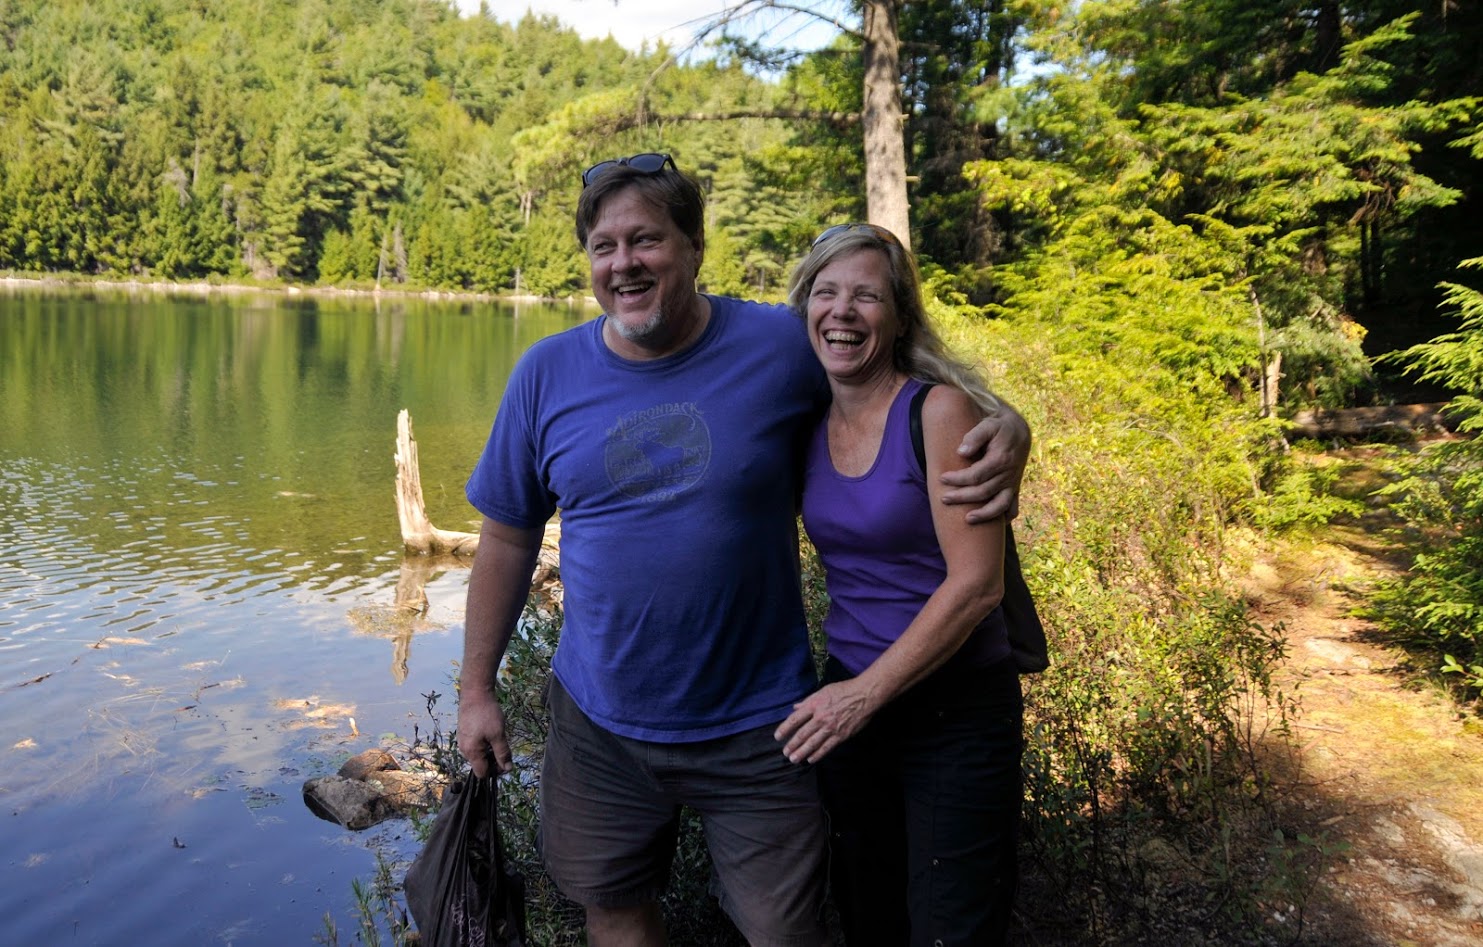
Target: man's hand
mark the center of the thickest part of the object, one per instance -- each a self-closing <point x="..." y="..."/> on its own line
<point x="498" y="584"/>
<point x="481" y="735"/>
<point x="1002" y="445"/>
<point x="823" y="720"/>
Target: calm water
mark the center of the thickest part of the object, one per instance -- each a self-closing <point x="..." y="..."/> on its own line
<point x="200" y="546"/>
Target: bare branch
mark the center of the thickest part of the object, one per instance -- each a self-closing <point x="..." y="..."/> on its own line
<point x="796" y="115"/>
<point x="709" y="26"/>
<point x="836" y="119"/>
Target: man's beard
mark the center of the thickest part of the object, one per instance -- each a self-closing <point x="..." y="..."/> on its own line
<point x="650" y="330"/>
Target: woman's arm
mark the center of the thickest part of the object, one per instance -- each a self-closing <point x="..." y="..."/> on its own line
<point x="999" y="447"/>
<point x="974" y="553"/>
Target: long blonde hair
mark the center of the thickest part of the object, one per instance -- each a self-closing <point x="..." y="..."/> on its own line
<point x="920" y="351"/>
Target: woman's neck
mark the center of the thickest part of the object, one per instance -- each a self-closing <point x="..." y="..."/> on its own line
<point x="853" y="399"/>
<point x="857" y="421"/>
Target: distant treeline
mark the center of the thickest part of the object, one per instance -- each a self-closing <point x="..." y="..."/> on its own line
<point x="1308" y="158"/>
<point x="329" y="140"/>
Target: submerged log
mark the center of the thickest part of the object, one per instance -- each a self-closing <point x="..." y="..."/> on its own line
<point x="1365" y="422"/>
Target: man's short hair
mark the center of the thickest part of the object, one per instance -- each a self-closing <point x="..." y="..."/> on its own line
<point x="674" y="191"/>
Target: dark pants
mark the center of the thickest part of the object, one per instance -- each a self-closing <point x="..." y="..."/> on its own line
<point x="610" y="815"/>
<point x="924" y="812"/>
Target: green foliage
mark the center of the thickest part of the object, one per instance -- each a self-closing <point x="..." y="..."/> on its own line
<point x="1280" y="198"/>
<point x="1470" y="675"/>
<point x="1415" y="57"/>
<point x="338" y="142"/>
<point x="1440" y="495"/>
<point x="1301" y="495"/>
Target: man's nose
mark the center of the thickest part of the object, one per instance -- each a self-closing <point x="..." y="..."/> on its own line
<point x="624" y="257"/>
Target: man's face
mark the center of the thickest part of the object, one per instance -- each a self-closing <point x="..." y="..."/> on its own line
<point x="643" y="275"/>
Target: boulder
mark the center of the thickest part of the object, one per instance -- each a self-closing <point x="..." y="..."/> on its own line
<point x="363" y="765"/>
<point x="370" y="788"/>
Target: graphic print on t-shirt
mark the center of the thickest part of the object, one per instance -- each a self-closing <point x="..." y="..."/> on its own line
<point x="658" y="453"/>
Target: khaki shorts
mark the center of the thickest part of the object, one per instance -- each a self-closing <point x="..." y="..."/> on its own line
<point x="610" y="815"/>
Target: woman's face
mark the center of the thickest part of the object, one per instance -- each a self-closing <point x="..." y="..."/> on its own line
<point x="852" y="321"/>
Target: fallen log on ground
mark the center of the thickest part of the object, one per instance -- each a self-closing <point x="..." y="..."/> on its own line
<point x="1366" y="422"/>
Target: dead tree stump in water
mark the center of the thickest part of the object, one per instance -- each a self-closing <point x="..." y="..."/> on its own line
<point x="420" y="537"/>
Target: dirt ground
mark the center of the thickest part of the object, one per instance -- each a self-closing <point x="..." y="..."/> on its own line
<point x="1383" y="769"/>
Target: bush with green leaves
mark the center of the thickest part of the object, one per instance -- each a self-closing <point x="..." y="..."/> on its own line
<point x="1135" y="362"/>
<point x="1439" y="493"/>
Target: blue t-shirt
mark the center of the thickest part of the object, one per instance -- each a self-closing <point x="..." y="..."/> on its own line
<point x="677" y="481"/>
<point x="876" y="538"/>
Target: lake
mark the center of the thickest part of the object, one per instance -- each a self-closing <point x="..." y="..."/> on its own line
<point x="197" y="511"/>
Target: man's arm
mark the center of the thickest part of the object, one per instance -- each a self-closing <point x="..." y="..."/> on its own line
<point x="498" y="586"/>
<point x="1002" y="445"/>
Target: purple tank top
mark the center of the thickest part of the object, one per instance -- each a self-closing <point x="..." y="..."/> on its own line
<point x="875" y="536"/>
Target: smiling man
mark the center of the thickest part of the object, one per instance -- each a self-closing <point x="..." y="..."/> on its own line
<point x="668" y="432"/>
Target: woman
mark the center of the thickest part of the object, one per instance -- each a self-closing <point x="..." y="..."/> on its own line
<point x="917" y="729"/>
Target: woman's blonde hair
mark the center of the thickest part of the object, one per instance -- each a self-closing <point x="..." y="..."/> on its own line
<point x="919" y="352"/>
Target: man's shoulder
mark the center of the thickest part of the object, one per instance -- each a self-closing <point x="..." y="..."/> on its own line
<point x="734" y="305"/>
<point x="758" y="321"/>
<point x="562" y="343"/>
<point x="554" y="354"/>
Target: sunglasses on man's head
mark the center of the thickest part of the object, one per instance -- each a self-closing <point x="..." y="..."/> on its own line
<point x="880" y="233"/>
<point x="650" y="163"/>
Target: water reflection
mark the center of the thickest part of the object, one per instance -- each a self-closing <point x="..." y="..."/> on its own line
<point x="200" y="591"/>
<point x="407" y="613"/>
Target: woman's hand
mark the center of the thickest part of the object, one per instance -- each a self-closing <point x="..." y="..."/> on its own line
<point x="825" y="719"/>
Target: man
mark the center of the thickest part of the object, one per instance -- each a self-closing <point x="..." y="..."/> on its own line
<point x="668" y="433"/>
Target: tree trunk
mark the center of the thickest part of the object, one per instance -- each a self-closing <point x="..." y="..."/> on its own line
<point x="419" y="535"/>
<point x="1271" y="382"/>
<point x="886" y="203"/>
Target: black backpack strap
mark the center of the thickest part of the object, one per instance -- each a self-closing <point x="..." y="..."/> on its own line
<point x="1026" y="633"/>
<point x="917" y="443"/>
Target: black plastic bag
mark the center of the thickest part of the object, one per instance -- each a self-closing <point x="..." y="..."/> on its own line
<point x="459" y="889"/>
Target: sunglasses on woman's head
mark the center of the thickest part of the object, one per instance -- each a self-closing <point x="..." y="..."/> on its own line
<point x="880" y="233"/>
<point x="649" y="163"/>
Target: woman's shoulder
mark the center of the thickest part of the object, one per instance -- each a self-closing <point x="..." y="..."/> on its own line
<point x="947" y="414"/>
<point x="944" y="403"/>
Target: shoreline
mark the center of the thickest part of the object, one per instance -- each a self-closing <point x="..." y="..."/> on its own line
<point x="208" y="288"/>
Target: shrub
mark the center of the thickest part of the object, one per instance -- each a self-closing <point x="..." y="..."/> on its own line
<point x="1440" y="495"/>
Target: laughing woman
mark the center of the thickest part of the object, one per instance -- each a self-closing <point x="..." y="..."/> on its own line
<point x="917" y="729"/>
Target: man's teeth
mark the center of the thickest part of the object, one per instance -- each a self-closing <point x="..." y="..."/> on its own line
<point x="627" y="288"/>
